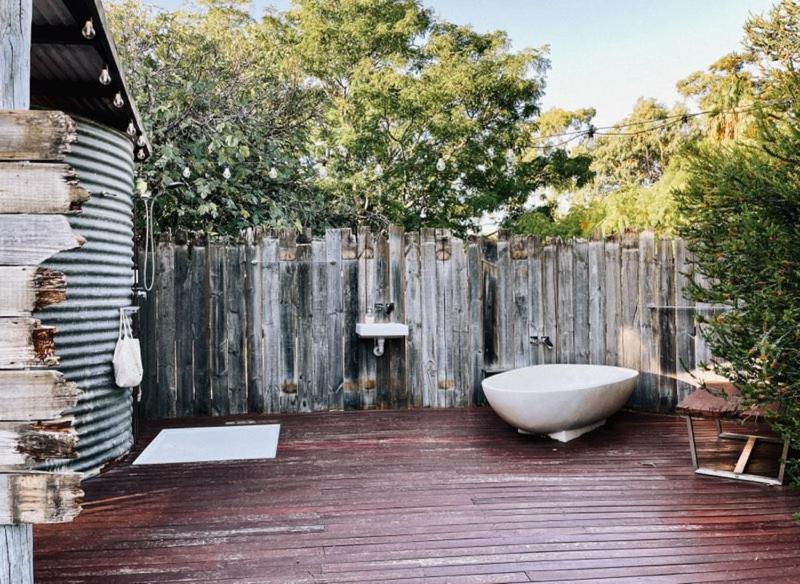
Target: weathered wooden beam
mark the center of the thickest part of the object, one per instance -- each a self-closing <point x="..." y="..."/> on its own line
<point x="35" y="135"/>
<point x="24" y="289"/>
<point x="39" y="187"/>
<point x="15" y="53"/>
<point x="27" y="240"/>
<point x="35" y="395"/>
<point x="16" y="554"/>
<point x="25" y="342"/>
<point x="39" y="497"/>
<point x="24" y="444"/>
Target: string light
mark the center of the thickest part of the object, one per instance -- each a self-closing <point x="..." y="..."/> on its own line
<point x="118" y="101"/>
<point x="186" y="172"/>
<point x="141" y="141"/>
<point x="226" y="174"/>
<point x="590" y="137"/>
<point x="656" y="124"/>
<point x="273" y="173"/>
<point x="441" y="164"/>
<point x="141" y="154"/>
<point x="88" y="31"/>
<point x="686" y="129"/>
<point x="105" y="76"/>
<point x="131" y="131"/>
<point x="322" y="171"/>
<point x="378" y="170"/>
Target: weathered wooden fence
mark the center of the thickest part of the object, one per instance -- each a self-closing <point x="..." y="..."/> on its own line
<point x="267" y="324"/>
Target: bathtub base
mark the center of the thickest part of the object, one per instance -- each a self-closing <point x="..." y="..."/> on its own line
<point x="567" y="435"/>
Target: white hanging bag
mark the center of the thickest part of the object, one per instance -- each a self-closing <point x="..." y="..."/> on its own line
<point x="128" y="370"/>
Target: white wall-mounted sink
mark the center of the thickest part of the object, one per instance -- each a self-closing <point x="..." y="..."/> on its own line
<point x="381" y="330"/>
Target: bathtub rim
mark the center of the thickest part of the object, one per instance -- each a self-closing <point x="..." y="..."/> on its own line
<point x="630" y="374"/>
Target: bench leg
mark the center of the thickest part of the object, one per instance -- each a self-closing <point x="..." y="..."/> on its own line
<point x="784" y="454"/>
<point x="692" y="445"/>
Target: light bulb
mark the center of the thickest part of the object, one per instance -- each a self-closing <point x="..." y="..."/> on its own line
<point x="510" y="156"/>
<point x="441" y="164"/>
<point x="590" y="137"/>
<point x="378" y="170"/>
<point x="88" y="31"/>
<point x="273" y="173"/>
<point x="105" y="76"/>
<point x="131" y="130"/>
<point x="118" y="101"/>
<point x="226" y="174"/>
<point x="141" y="141"/>
<point x="141" y="155"/>
<point x="322" y="170"/>
<point x="686" y="129"/>
<point x="186" y="172"/>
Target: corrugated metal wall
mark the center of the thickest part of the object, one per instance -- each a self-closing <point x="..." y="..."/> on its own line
<point x="99" y="280"/>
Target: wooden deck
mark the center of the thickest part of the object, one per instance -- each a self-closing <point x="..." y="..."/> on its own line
<point x="449" y="496"/>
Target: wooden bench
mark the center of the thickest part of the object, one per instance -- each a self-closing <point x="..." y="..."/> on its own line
<point x="724" y="401"/>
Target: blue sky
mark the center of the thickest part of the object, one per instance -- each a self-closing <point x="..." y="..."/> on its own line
<point x="604" y="53"/>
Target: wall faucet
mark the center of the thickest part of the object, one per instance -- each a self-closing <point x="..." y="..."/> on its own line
<point x="547" y="343"/>
<point x="386" y="308"/>
<point x="537" y="340"/>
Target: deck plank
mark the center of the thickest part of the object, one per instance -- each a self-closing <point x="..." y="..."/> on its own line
<point x="432" y="496"/>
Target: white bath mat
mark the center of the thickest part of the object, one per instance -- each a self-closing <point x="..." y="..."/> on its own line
<point x="212" y="443"/>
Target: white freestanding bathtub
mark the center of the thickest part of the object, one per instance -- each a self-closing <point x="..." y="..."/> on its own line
<point x="562" y="401"/>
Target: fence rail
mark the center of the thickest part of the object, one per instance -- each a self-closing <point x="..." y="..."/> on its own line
<point x="268" y="324"/>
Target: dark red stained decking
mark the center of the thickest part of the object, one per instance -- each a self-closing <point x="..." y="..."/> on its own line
<point x="451" y="496"/>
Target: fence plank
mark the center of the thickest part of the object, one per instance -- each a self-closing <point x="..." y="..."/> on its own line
<point x="253" y="322"/>
<point x="536" y="300"/>
<point x="474" y="276"/>
<point x="566" y="303"/>
<point x="415" y="375"/>
<point x="165" y="342"/>
<point x="613" y="303"/>
<point x="520" y="321"/>
<point x="272" y="333"/>
<point x="201" y="328"/>
<point x="459" y="312"/>
<point x="383" y="390"/>
<point x="629" y="294"/>
<point x="650" y="308"/>
<point x="287" y="253"/>
<point x="685" y="324"/>
<point x="505" y="302"/>
<point x="350" y="306"/>
<point x="444" y="326"/>
<point x="319" y="389"/>
<point x="220" y="404"/>
<point x="237" y="326"/>
<point x="491" y="359"/>
<point x="550" y="297"/>
<point x="396" y="294"/>
<point x="184" y="348"/>
<point x="429" y="316"/>
<point x="305" y="330"/>
<point x="366" y="301"/>
<point x="597" y="307"/>
<point x="333" y="392"/>
<point x="581" y="300"/>
<point x="667" y="382"/>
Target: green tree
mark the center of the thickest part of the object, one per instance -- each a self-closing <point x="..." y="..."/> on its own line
<point x="742" y="202"/>
<point x="216" y="93"/>
<point x="426" y="122"/>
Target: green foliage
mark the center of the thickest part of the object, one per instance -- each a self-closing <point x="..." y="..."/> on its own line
<point x="371" y="112"/>
<point x="633" y="154"/>
<point x="209" y="105"/>
<point x="743" y="204"/>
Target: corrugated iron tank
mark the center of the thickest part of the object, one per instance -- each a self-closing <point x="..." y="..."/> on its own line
<point x="99" y="280"/>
